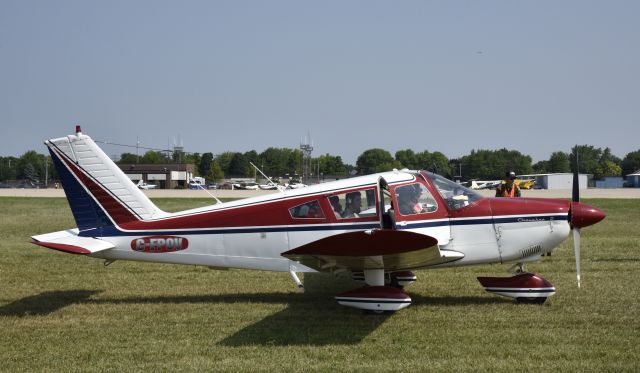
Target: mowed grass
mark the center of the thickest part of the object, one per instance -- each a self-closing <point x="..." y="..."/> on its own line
<point x="61" y="312"/>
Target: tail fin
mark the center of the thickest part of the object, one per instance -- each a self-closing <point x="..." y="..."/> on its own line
<point x="99" y="193"/>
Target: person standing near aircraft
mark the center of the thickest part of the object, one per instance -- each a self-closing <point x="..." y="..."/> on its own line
<point x="508" y="188"/>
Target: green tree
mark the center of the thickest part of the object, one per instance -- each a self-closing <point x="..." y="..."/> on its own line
<point x="206" y="161"/>
<point x="631" y="163"/>
<point x="608" y="156"/>
<point x="331" y="165"/>
<point x="541" y="167"/>
<point x="224" y="160"/>
<point x="252" y="156"/>
<point x="435" y="162"/>
<point x="607" y="168"/>
<point x="275" y="161"/>
<point x="588" y="158"/>
<point x="492" y="164"/>
<point x="31" y="166"/>
<point x="559" y="163"/>
<point x="216" y="174"/>
<point x="194" y="159"/>
<point x="128" y="158"/>
<point x="407" y="158"/>
<point x="153" y="157"/>
<point x="8" y="168"/>
<point x="375" y="160"/>
<point x="294" y="160"/>
<point x="239" y="165"/>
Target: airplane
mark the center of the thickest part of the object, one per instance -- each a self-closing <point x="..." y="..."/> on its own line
<point x="484" y="184"/>
<point x="377" y="228"/>
<point x="142" y="185"/>
<point x="269" y="186"/>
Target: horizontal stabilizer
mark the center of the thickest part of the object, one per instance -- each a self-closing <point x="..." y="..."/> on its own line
<point x="381" y="248"/>
<point x="69" y="242"/>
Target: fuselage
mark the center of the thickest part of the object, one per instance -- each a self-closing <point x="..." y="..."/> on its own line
<point x="253" y="233"/>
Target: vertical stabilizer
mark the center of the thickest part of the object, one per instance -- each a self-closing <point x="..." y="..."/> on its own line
<point x="99" y="193"/>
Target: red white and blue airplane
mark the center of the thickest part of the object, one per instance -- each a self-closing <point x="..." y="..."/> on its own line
<point x="377" y="228"/>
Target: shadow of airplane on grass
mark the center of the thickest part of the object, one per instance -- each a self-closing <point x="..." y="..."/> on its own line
<point x="46" y="303"/>
<point x="310" y="318"/>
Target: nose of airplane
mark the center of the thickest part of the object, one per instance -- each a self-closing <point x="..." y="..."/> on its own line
<point x="583" y="215"/>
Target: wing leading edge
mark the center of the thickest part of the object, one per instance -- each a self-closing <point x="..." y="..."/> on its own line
<point x="386" y="249"/>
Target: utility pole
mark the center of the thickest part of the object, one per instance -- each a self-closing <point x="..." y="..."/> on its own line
<point x="46" y="172"/>
<point x="307" y="148"/>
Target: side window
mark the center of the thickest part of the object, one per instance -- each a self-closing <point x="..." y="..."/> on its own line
<point x="356" y="204"/>
<point x="309" y="210"/>
<point x="415" y="199"/>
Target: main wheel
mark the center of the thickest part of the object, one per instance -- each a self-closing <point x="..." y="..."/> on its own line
<point x="531" y="300"/>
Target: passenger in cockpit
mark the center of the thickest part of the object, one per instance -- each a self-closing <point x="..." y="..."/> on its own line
<point x="336" y="206"/>
<point x="353" y="205"/>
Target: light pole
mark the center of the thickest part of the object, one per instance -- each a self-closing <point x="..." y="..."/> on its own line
<point x="46" y="172"/>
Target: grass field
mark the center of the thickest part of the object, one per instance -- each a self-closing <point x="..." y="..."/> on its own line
<point x="61" y="312"/>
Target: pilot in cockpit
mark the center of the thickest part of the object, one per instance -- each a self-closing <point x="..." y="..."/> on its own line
<point x="409" y="199"/>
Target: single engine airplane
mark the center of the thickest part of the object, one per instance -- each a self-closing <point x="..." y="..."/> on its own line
<point x="378" y="228"/>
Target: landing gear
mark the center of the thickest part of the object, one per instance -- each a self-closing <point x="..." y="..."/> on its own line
<point x="531" y="300"/>
<point x="525" y="287"/>
<point x="376" y="297"/>
<point x="398" y="279"/>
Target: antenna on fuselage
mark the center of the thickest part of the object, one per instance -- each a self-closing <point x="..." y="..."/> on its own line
<point x="267" y="177"/>
<point x="212" y="196"/>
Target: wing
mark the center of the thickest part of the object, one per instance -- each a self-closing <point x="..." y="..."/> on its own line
<point x="69" y="242"/>
<point x="373" y="249"/>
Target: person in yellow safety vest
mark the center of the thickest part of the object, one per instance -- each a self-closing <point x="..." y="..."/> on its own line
<point x="508" y="188"/>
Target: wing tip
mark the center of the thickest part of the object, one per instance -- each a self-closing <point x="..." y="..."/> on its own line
<point x="71" y="249"/>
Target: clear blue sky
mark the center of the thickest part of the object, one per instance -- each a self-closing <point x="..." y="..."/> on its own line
<point x="536" y="76"/>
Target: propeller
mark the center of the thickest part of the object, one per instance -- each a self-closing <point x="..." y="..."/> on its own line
<point x="575" y="198"/>
<point x="581" y="215"/>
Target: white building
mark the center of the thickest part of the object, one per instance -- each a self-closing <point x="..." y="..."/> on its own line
<point x="560" y="181"/>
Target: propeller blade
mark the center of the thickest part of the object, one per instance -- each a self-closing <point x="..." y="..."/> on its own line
<point x="576" y="249"/>
<point x="575" y="195"/>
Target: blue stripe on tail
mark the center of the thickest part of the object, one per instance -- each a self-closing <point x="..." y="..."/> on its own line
<point x="89" y="217"/>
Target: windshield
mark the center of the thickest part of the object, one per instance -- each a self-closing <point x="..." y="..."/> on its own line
<point x="454" y="194"/>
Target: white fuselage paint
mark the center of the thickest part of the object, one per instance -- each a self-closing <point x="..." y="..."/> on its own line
<point x="481" y="243"/>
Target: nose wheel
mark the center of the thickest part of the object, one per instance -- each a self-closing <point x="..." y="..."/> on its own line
<point x="525" y="287"/>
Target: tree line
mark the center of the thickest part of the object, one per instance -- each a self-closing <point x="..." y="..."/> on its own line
<point x="481" y="164"/>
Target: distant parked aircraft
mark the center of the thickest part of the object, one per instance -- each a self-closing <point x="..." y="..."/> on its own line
<point x="142" y="185"/>
<point x="484" y="184"/>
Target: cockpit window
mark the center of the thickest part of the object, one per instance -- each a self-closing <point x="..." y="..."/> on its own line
<point x="454" y="194"/>
<point x="309" y="210"/>
<point x="415" y="199"/>
<point x="351" y="205"/>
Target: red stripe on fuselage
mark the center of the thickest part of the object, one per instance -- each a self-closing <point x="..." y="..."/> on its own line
<point x="528" y="206"/>
<point x="268" y="213"/>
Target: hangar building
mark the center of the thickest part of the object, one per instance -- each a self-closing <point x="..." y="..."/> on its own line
<point x="633" y="180"/>
<point x="165" y="176"/>
<point x="560" y="181"/>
